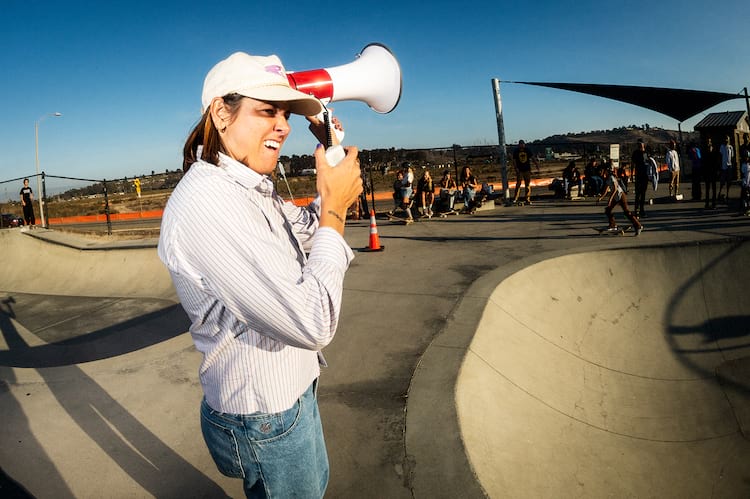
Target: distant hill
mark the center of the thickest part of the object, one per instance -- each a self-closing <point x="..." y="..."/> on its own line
<point x="622" y="135"/>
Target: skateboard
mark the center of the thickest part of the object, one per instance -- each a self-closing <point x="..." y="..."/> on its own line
<point x="405" y="221"/>
<point x="612" y="231"/>
<point x="517" y="203"/>
<point x="445" y="214"/>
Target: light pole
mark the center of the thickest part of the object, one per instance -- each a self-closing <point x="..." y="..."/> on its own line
<point x="36" y="155"/>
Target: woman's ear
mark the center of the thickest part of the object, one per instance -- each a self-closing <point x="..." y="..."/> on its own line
<point x="219" y="113"/>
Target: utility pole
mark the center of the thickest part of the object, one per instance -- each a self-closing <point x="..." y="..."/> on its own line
<point x="501" y="138"/>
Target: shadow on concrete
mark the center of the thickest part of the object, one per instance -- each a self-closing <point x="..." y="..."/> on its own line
<point x="133" y="447"/>
<point x="10" y="489"/>
<point x="68" y="340"/>
<point x="720" y="332"/>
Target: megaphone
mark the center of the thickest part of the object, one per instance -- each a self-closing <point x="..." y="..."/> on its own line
<point x="374" y="77"/>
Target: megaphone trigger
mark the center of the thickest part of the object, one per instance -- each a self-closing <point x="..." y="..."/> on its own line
<point x="338" y="131"/>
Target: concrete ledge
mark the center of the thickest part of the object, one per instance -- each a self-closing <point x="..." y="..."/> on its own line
<point x="487" y="205"/>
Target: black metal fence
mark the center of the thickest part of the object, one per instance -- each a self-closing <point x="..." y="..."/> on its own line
<point x="66" y="196"/>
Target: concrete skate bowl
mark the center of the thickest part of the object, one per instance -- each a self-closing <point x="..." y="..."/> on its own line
<point x="61" y="305"/>
<point x="617" y="373"/>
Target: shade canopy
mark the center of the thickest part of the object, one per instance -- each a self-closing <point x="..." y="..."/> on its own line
<point x="676" y="103"/>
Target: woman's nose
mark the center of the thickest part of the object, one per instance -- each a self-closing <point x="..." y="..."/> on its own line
<point x="282" y="124"/>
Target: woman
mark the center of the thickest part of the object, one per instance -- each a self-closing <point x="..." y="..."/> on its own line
<point x="469" y="185"/>
<point x="448" y="182"/>
<point x="618" y="197"/>
<point x="407" y="183"/>
<point x="448" y="193"/>
<point x="261" y="308"/>
<point x="426" y="193"/>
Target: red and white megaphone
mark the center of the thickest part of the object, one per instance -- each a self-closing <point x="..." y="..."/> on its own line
<point x="374" y="78"/>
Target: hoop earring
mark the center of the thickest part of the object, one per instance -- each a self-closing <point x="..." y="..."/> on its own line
<point x="223" y="129"/>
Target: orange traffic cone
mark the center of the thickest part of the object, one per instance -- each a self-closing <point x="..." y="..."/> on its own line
<point x="374" y="239"/>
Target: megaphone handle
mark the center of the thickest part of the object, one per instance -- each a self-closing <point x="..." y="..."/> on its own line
<point x="327" y="123"/>
<point x="334" y="154"/>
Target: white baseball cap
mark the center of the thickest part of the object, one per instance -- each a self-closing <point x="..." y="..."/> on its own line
<point x="257" y="77"/>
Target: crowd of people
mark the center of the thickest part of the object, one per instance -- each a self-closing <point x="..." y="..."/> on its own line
<point x="711" y="165"/>
<point x="468" y="191"/>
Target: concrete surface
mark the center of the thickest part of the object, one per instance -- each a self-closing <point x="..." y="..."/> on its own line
<point x="603" y="380"/>
<point x="468" y="362"/>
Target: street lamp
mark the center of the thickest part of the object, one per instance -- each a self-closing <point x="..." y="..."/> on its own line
<point x="36" y="154"/>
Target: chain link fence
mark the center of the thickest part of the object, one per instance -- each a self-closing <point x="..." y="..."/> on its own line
<point x="70" y="202"/>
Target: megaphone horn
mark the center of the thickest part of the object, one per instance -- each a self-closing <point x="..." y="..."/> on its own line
<point x="374" y="77"/>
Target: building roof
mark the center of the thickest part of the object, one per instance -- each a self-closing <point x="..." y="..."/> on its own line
<point x="727" y="119"/>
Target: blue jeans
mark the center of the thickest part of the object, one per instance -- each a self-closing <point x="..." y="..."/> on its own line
<point x="469" y="194"/>
<point x="276" y="455"/>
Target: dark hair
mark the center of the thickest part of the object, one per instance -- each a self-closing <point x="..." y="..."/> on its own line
<point x="205" y="134"/>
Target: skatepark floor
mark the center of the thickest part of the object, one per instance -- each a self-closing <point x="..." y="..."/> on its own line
<point x="510" y="353"/>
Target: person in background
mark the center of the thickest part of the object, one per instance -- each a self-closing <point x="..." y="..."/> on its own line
<point x="572" y="177"/>
<point x="594" y="180"/>
<point x="618" y="197"/>
<point x="673" y="164"/>
<point x="448" y="182"/>
<point x="27" y="202"/>
<point x="448" y="192"/>
<point x="426" y="193"/>
<point x="696" y="175"/>
<point x="711" y="164"/>
<point x="622" y="175"/>
<point x="744" y="155"/>
<point x="397" y="196"/>
<point x="639" y="171"/>
<point x="407" y="190"/>
<point x="522" y="159"/>
<point x="726" y="171"/>
<point x="260" y="279"/>
<point x="469" y="186"/>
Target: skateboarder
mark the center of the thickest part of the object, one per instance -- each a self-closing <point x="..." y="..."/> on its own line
<point x="522" y="160"/>
<point x="618" y="196"/>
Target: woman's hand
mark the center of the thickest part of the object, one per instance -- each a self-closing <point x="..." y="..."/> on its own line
<point x="318" y="128"/>
<point x="338" y="187"/>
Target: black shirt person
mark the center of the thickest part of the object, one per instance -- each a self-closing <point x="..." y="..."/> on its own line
<point x="27" y="201"/>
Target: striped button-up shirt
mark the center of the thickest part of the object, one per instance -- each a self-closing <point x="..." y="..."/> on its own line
<point x="261" y="309"/>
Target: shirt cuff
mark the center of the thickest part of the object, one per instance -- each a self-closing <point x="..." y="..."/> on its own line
<point x="330" y="247"/>
<point x="315" y="205"/>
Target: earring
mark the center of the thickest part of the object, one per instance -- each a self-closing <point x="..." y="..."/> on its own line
<point x="223" y="129"/>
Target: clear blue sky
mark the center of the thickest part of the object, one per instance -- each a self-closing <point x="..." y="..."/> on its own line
<point x="127" y="76"/>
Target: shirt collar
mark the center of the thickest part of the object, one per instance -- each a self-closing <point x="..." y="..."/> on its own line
<point x="245" y="176"/>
